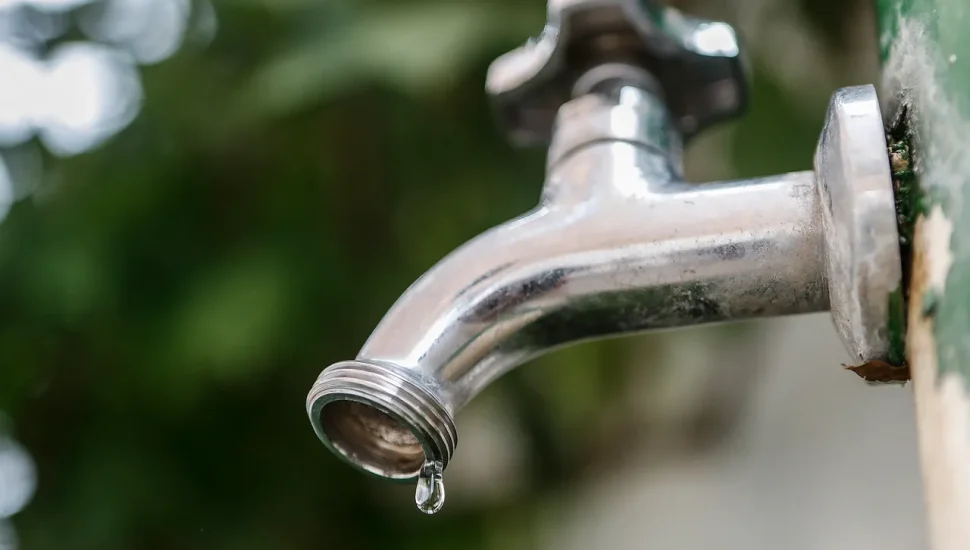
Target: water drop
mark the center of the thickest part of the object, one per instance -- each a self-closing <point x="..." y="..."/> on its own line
<point x="429" y="495"/>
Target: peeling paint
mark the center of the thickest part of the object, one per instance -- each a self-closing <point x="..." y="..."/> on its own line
<point x="938" y="255"/>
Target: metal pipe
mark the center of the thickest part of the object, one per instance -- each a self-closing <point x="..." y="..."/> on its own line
<point x="619" y="242"/>
<point x="631" y="257"/>
<point x="618" y="245"/>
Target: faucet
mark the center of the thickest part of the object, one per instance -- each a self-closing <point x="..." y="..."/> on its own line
<point x="619" y="243"/>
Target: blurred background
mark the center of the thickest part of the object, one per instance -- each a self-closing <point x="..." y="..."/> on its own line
<point x="206" y="203"/>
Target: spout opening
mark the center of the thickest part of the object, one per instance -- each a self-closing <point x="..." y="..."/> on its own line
<point x="380" y="419"/>
<point x="372" y="438"/>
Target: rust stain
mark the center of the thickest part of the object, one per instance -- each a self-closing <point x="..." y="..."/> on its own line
<point x="881" y="372"/>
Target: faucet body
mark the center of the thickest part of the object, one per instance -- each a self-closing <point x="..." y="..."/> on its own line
<point x="619" y="242"/>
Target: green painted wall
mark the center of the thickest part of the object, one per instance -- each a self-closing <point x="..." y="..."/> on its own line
<point x="925" y="49"/>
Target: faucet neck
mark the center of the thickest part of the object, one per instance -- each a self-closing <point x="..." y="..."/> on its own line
<point x="618" y="111"/>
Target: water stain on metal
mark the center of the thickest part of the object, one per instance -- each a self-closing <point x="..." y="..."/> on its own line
<point x="507" y="298"/>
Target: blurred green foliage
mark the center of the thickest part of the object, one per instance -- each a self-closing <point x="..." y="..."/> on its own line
<point x="169" y="298"/>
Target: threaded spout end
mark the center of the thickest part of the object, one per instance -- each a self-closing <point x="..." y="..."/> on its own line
<point x="380" y="419"/>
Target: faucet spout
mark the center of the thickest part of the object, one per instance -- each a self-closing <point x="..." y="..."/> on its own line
<point x="618" y="245"/>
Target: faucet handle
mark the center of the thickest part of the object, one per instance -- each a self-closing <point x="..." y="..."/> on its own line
<point x="695" y="64"/>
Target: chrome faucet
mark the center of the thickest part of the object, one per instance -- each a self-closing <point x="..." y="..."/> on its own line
<point x="619" y="243"/>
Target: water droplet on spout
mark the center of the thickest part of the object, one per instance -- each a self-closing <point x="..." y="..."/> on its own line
<point x="429" y="495"/>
